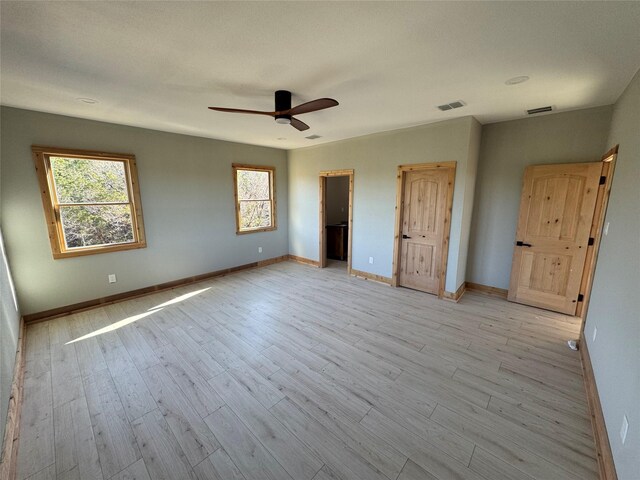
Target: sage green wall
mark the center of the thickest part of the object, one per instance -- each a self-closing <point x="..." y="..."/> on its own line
<point x="615" y="302"/>
<point x="9" y="331"/>
<point x="375" y="159"/>
<point x="506" y="149"/>
<point x="187" y="200"/>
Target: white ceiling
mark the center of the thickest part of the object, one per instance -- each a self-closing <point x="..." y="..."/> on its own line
<point x="389" y="64"/>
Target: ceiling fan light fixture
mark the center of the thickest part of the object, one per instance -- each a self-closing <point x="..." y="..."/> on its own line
<point x="284" y="120"/>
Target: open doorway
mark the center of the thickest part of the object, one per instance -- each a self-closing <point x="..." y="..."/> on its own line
<point x="336" y="219"/>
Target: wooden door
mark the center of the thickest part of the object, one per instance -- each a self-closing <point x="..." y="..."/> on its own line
<point x="423" y="229"/>
<point x="556" y="211"/>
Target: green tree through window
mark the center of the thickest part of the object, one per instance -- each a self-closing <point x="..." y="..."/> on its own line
<point x="92" y="203"/>
<point x="254" y="198"/>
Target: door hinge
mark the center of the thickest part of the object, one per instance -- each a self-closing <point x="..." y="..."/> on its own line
<point x="591" y="241"/>
<point x="581" y="298"/>
<point x="603" y="180"/>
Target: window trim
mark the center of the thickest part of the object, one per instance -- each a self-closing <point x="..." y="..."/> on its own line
<point x="41" y="158"/>
<point x="272" y="196"/>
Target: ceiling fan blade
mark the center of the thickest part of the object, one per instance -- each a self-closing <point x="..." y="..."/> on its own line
<point x="298" y="124"/>
<point x="238" y="110"/>
<point x="313" y="105"/>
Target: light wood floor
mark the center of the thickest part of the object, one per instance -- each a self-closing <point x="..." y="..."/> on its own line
<point x="295" y="372"/>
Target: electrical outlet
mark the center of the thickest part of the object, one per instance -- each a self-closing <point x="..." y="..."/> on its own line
<point x="595" y="332"/>
<point x="624" y="429"/>
<point x="259" y="249"/>
<point x="371" y="260"/>
<point x="112" y="278"/>
<point x="605" y="230"/>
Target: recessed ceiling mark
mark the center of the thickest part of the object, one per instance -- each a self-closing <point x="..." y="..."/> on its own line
<point x="312" y="137"/>
<point x="517" y="80"/>
<point x="89" y="101"/>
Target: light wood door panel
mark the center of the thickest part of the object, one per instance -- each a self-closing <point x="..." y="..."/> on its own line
<point x="423" y="229"/>
<point x="556" y="211"/>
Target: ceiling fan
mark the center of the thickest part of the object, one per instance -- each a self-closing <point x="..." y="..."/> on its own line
<point x="283" y="111"/>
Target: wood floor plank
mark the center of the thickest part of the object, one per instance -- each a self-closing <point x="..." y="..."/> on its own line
<point x="354" y="406"/>
<point x="491" y="467"/>
<point x="193" y="353"/>
<point x="135" y="471"/>
<point x="161" y="452"/>
<point x="508" y="451"/>
<point x="443" y="389"/>
<point x="65" y="374"/>
<point x="427" y="454"/>
<point x="552" y="430"/>
<point x="247" y="453"/>
<point x="194" y="437"/>
<point x="141" y="352"/>
<point x="378" y="453"/>
<point x="329" y="448"/>
<point x="413" y="471"/>
<point x="285" y="448"/>
<point x="35" y="449"/>
<point x="47" y="473"/>
<point x="37" y="348"/>
<point x="116" y="444"/>
<point x="256" y="384"/>
<point x="201" y="395"/>
<point x="218" y="466"/>
<point x="134" y="394"/>
<point x="513" y="389"/>
<point x="75" y="446"/>
<point x="567" y="457"/>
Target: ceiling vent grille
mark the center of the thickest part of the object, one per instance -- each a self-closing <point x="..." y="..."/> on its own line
<point x="312" y="137"/>
<point x="452" y="105"/>
<point x="533" y="111"/>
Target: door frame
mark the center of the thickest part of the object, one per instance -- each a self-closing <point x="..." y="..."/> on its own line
<point x="322" y="231"/>
<point x="402" y="171"/>
<point x="602" y="201"/>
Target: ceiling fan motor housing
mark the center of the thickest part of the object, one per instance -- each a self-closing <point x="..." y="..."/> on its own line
<point x="283" y="103"/>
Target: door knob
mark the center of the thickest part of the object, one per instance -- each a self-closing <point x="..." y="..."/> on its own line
<point x="405" y="236"/>
<point x="521" y="244"/>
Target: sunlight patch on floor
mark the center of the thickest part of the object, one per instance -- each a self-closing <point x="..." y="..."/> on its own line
<point x="181" y="298"/>
<point x="114" y="326"/>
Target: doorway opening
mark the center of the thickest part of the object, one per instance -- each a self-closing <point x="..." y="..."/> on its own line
<point x="336" y="219"/>
<point x="423" y="222"/>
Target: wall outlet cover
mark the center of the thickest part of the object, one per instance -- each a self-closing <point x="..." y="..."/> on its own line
<point x="112" y="278"/>
<point x="371" y="260"/>
<point x="259" y="249"/>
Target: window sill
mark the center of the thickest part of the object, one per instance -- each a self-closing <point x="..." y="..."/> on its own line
<point x="97" y="250"/>
<point x="266" y="229"/>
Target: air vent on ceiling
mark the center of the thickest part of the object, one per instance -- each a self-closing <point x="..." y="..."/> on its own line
<point x="533" y="111"/>
<point x="312" y="137"/>
<point x="452" y="105"/>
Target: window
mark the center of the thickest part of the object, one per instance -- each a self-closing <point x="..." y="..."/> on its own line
<point x="255" y="198"/>
<point x="91" y="201"/>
